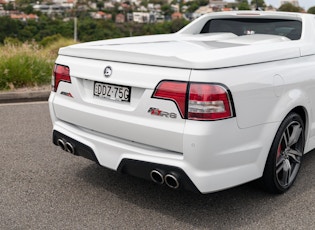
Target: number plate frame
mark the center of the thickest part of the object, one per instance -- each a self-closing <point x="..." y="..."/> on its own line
<point x="112" y="92"/>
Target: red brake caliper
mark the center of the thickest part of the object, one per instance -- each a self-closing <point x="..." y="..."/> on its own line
<point x="279" y="151"/>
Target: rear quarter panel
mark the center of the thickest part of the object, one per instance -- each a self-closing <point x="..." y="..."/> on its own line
<point x="267" y="92"/>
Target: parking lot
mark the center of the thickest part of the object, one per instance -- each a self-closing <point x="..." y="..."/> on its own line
<point x="43" y="187"/>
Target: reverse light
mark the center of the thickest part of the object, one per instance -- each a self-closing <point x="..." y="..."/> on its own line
<point x="208" y="102"/>
<point x="61" y="73"/>
<point x="197" y="101"/>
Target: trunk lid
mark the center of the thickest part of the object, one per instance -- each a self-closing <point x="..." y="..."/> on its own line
<point x="201" y="51"/>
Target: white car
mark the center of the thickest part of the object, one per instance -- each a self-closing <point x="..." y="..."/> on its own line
<point x="228" y="99"/>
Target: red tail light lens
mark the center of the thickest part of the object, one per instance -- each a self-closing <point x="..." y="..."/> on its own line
<point x="175" y="91"/>
<point x="61" y="73"/>
<point x="197" y="101"/>
<point x="208" y="102"/>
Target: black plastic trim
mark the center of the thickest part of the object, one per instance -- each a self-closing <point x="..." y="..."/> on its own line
<point x="142" y="169"/>
<point x="132" y="167"/>
<point x="80" y="149"/>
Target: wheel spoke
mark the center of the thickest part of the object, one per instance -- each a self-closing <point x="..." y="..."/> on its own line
<point x="280" y="165"/>
<point x="294" y="154"/>
<point x="286" y="173"/>
<point x="295" y="135"/>
<point x="285" y="136"/>
<point x="283" y="171"/>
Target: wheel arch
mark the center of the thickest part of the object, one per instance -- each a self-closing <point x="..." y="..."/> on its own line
<point x="303" y="113"/>
<point x="294" y="100"/>
<point x="300" y="110"/>
<point x="272" y="180"/>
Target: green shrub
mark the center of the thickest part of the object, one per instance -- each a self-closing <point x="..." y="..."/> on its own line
<point x="50" y="40"/>
<point x="12" y="41"/>
<point x="27" y="65"/>
<point x="53" y="48"/>
<point x="22" y="66"/>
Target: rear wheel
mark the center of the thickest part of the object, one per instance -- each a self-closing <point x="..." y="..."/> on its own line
<point x="285" y="156"/>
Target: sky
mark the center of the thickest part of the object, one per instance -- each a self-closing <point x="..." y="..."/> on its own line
<point x="306" y="4"/>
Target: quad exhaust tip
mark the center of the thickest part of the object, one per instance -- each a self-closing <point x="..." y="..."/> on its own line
<point x="171" y="180"/>
<point x="66" y="146"/>
<point x="157" y="177"/>
<point x="70" y="148"/>
<point x="61" y="144"/>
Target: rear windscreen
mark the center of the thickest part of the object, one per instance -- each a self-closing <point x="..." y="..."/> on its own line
<point x="291" y="29"/>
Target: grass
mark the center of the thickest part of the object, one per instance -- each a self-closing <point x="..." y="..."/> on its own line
<point x="28" y="64"/>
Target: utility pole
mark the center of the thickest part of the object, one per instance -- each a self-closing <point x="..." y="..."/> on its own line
<point x="75" y="22"/>
<point x="75" y="32"/>
<point x="257" y="8"/>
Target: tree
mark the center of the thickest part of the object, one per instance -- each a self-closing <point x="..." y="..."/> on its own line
<point x="100" y="5"/>
<point x="232" y="5"/>
<point x="288" y="7"/>
<point x="243" y="5"/>
<point x="9" y="6"/>
<point x="167" y="9"/>
<point x="28" y="9"/>
<point x="8" y="28"/>
<point x="311" y="10"/>
<point x="194" y="5"/>
<point x="258" y="3"/>
<point x="22" y="4"/>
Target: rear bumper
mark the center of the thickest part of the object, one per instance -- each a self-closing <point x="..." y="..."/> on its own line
<point x="216" y="155"/>
<point x="132" y="167"/>
<point x="203" y="171"/>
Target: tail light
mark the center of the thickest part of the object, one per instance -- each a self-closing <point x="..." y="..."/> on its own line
<point x="197" y="101"/>
<point x="208" y="102"/>
<point x="175" y="91"/>
<point x="61" y="73"/>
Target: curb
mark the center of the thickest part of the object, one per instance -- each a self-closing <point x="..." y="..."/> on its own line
<point x="15" y="97"/>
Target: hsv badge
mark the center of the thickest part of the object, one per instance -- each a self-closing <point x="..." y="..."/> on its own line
<point x="108" y="71"/>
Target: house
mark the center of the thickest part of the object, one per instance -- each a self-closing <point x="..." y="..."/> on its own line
<point x="202" y="10"/>
<point x="120" y="18"/>
<point x="176" y="15"/>
<point x="51" y="9"/>
<point x="109" y="5"/>
<point x="24" y="17"/>
<point x="2" y="11"/>
<point x="98" y="15"/>
<point x="220" y="4"/>
<point x="141" y="17"/>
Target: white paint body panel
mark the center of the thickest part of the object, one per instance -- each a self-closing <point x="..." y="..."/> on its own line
<point x="267" y="76"/>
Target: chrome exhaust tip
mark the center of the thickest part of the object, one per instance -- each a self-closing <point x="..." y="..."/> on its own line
<point x="61" y="144"/>
<point x="171" y="181"/>
<point x="70" y="148"/>
<point x="157" y="176"/>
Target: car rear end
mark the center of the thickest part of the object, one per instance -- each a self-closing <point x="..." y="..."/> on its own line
<point x="179" y="109"/>
<point x="109" y="117"/>
<point x="135" y="118"/>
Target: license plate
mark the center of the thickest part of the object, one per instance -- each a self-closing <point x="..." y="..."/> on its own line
<point x="112" y="92"/>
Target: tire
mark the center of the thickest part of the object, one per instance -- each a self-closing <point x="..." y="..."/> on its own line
<point x="285" y="156"/>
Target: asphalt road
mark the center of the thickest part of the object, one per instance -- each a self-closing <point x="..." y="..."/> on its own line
<point x="42" y="187"/>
